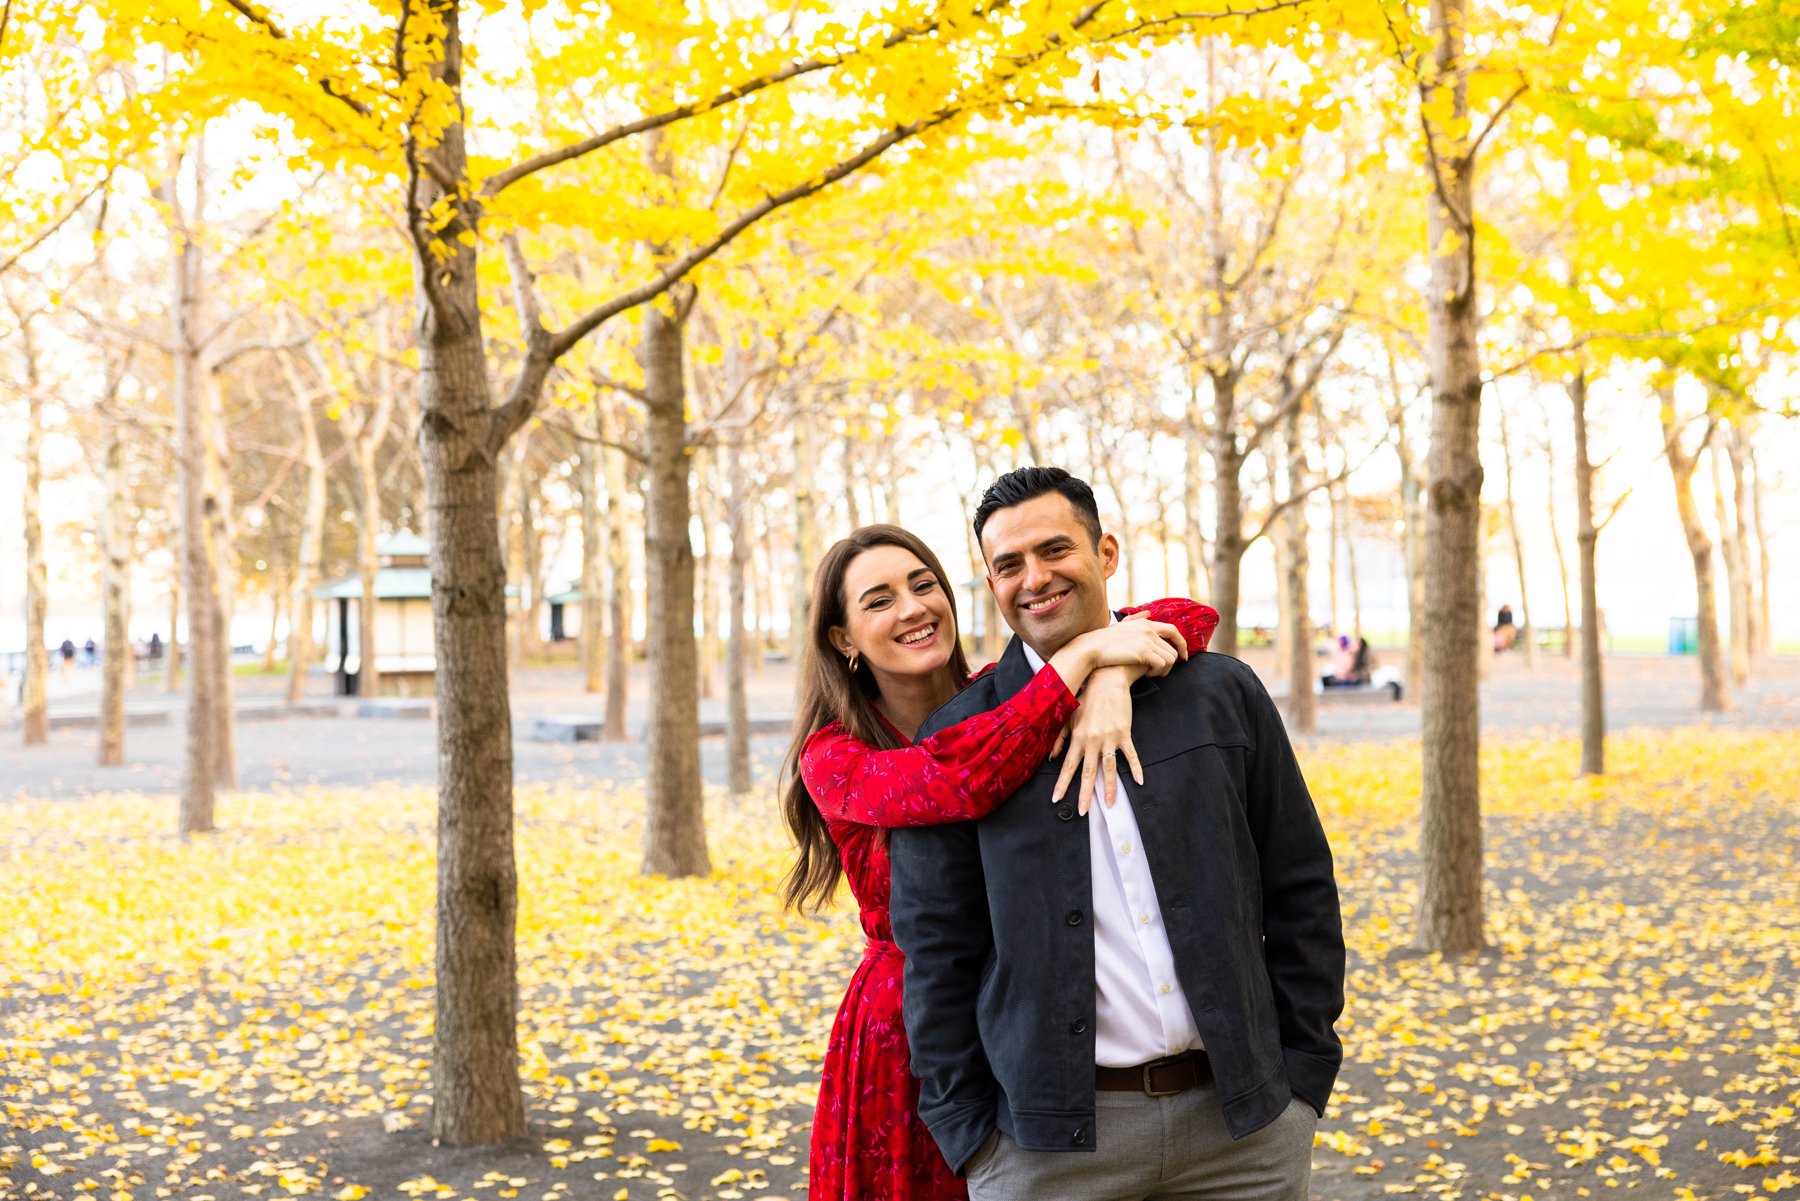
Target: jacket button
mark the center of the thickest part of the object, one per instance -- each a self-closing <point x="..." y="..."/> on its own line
<point x="1074" y="918"/>
<point x="1081" y="1136"/>
<point x="1065" y="811"/>
<point x="1078" y="1026"/>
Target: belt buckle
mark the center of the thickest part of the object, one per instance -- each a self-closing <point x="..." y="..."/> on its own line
<point x="1153" y="1065"/>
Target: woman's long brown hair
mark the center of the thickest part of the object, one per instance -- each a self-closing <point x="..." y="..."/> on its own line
<point x="828" y="691"/>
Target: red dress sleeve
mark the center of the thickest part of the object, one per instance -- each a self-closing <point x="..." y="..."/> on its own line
<point x="957" y="774"/>
<point x="1195" y="620"/>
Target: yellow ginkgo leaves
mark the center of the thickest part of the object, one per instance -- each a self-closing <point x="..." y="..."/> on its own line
<point x="249" y="1014"/>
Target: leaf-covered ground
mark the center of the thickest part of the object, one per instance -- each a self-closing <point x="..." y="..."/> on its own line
<point x="249" y="1015"/>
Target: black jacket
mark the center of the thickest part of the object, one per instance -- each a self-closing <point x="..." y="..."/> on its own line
<point x="994" y="919"/>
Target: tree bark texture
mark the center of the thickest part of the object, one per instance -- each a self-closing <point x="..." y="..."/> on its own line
<point x="198" y="582"/>
<point x="737" y="650"/>
<point x="115" y="545"/>
<point x="301" y="649"/>
<point x="368" y="563"/>
<point x="1749" y="524"/>
<point x="1192" y="537"/>
<point x="1412" y="553"/>
<point x="618" y="588"/>
<point x="1587" y="540"/>
<point x="220" y="549"/>
<point x="476" y="1097"/>
<point x="1737" y="580"/>
<point x="1764" y="567"/>
<point x="675" y="831"/>
<point x="172" y="651"/>
<point x="1302" y="714"/>
<point x="704" y="504"/>
<point x="1228" y="519"/>
<point x="593" y="586"/>
<point x="1713" y="695"/>
<point x="806" y="531"/>
<point x="1450" y="910"/>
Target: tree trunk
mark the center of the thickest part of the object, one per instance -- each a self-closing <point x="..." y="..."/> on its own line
<point x="1527" y="632"/>
<point x="1355" y="580"/>
<point x="593" y="628"/>
<point x="675" y="832"/>
<point x="476" y="1097"/>
<point x="806" y="537"/>
<point x="115" y="544"/>
<point x="1412" y="552"/>
<point x="1193" y="539"/>
<point x="1450" y="909"/>
<point x="618" y="587"/>
<point x="707" y="575"/>
<point x="277" y="595"/>
<point x="198" y="583"/>
<point x="1336" y="520"/>
<point x="1587" y="539"/>
<point x="1562" y="563"/>
<point x="737" y="652"/>
<point x="1228" y="522"/>
<point x="368" y="563"/>
<point x="531" y="560"/>
<point x="37" y="577"/>
<point x="506" y="525"/>
<point x="1756" y="576"/>
<point x="1713" y="695"/>
<point x="172" y="651"/>
<point x="301" y="650"/>
<point x="1302" y="715"/>
<point x="1764" y="626"/>
<point x="852" y="511"/>
<point x="221" y="549"/>
<point x="1737" y="580"/>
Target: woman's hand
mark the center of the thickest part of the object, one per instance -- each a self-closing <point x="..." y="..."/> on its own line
<point x="1151" y="646"/>
<point x="1098" y="734"/>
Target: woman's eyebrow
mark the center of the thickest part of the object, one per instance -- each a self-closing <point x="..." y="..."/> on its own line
<point x="868" y="592"/>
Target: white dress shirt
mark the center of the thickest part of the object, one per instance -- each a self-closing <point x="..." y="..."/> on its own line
<point x="1140" y="1010"/>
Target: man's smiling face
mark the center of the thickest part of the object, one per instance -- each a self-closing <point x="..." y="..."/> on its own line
<point x="1046" y="573"/>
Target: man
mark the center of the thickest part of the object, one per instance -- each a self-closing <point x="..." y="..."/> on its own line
<point x="1138" y="1004"/>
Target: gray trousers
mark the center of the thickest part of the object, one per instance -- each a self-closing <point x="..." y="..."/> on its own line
<point x="1152" y="1149"/>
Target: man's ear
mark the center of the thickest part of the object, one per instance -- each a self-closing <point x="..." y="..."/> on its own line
<point x="1109" y="555"/>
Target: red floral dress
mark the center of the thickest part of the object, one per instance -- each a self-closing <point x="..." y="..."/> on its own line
<point x="868" y="1143"/>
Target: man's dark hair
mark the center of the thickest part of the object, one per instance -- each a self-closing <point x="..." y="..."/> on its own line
<point x="1029" y="483"/>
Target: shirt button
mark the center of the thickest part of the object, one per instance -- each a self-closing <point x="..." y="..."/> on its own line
<point x="1143" y="919"/>
<point x="1124" y="848"/>
<point x="1078" y="1026"/>
<point x="1074" y="918"/>
<point x="1081" y="1136"/>
<point x="1164" y="988"/>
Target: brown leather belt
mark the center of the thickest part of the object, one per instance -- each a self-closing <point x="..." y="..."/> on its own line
<point x="1159" y="1077"/>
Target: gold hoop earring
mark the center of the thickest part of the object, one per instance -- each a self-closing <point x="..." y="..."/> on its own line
<point x="852" y="660"/>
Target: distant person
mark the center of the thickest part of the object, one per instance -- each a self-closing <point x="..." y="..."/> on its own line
<point x="67" y="650"/>
<point x="90" y="653"/>
<point x="1343" y="665"/>
<point x="1362" y="669"/>
<point x="156" y="648"/>
<point x="1505" y="632"/>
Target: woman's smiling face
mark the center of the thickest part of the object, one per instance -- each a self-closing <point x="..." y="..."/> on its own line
<point x="897" y="616"/>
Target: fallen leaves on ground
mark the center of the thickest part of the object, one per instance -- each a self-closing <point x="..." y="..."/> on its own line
<point x="249" y="1013"/>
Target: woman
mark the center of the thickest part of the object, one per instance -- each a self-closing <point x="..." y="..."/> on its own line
<point x="881" y="655"/>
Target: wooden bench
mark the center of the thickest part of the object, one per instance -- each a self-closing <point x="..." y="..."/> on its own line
<point x="1351" y="694"/>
